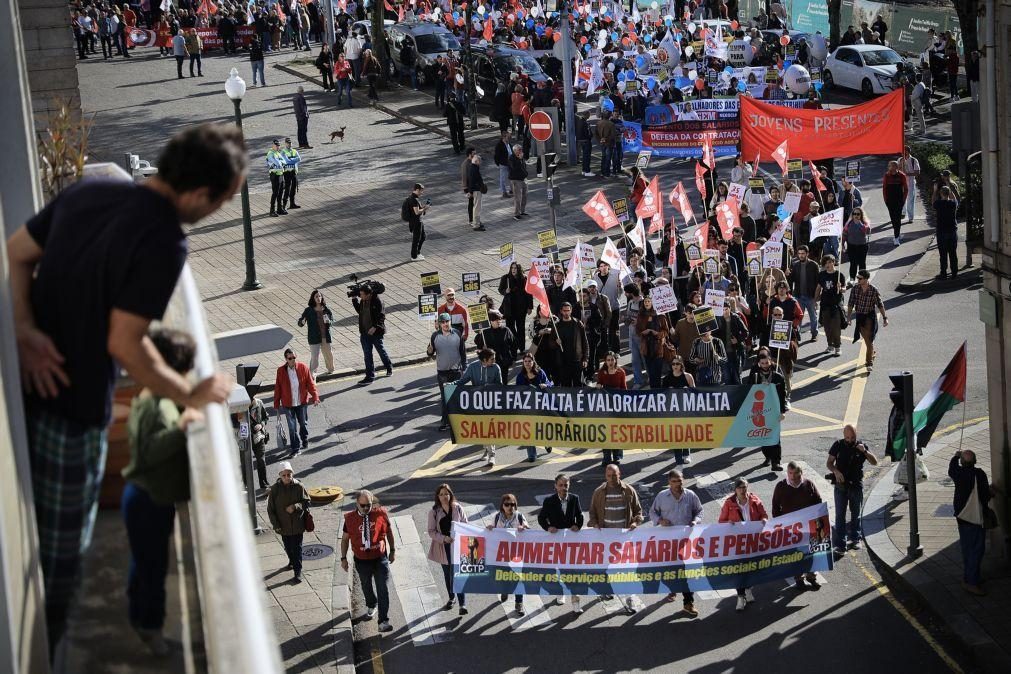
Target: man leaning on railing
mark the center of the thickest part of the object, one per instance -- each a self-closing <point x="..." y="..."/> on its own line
<point x="88" y="274"/>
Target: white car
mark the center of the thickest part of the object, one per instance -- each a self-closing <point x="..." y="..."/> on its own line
<point x="869" y="68"/>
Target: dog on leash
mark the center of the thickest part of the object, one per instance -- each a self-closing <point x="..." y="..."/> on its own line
<point x="338" y="134"/>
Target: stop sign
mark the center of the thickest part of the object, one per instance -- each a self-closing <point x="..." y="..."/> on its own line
<point x="540" y="126"/>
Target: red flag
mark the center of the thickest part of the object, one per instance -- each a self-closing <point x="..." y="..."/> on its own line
<point x="489" y="30"/>
<point x="758" y="156"/>
<point x="708" y="155"/>
<point x="535" y="287"/>
<point x="656" y="224"/>
<point x="816" y="174"/>
<point x="389" y="7"/>
<point x="207" y="7"/>
<point x="679" y="198"/>
<point x="700" y="180"/>
<point x="650" y="201"/>
<point x="400" y="13"/>
<point x="728" y="217"/>
<point x="782" y="154"/>
<point x="600" y="211"/>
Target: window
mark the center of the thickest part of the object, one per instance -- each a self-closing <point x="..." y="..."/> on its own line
<point x="436" y="43"/>
<point x="881" y="57"/>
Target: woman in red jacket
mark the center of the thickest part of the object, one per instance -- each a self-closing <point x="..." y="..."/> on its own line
<point x="743" y="506"/>
<point x="613" y="377"/>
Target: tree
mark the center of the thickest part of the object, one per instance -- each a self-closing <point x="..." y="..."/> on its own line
<point x="834" y="19"/>
<point x="379" y="47"/>
<point x="968" y="11"/>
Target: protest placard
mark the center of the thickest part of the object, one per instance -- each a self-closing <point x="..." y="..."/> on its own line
<point x="427" y="307"/>
<point x="479" y="316"/>
<point x="795" y="169"/>
<point x="754" y="262"/>
<point x="470" y="282"/>
<point x="642" y="160"/>
<point x="791" y="201"/>
<point x="620" y="208"/>
<point x="756" y="185"/>
<point x="664" y="300"/>
<point x="772" y="255"/>
<point x="736" y="191"/>
<point x="779" y="334"/>
<point x="711" y="261"/>
<point x="430" y="283"/>
<point x="547" y="241"/>
<point x="506" y="255"/>
<point x="715" y="298"/>
<point x="705" y="319"/>
<point x="694" y="252"/>
<point x="853" y="171"/>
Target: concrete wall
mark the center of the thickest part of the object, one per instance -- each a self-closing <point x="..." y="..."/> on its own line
<point x="50" y="56"/>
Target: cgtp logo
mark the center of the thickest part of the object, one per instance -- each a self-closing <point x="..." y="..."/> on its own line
<point x="472" y="554"/>
<point x="821" y="534"/>
<point x="757" y="417"/>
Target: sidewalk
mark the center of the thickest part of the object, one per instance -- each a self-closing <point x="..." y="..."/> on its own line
<point x="313" y="618"/>
<point x="981" y="624"/>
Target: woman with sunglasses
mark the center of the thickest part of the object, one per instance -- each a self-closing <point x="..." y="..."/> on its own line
<point x="679" y="378"/>
<point x="856" y="235"/>
<point x="612" y="377"/>
<point x="444" y="512"/>
<point x="508" y="517"/>
<point x="743" y="506"/>
<point x="530" y="375"/>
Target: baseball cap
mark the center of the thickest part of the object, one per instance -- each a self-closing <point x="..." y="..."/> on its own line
<point x="591" y="284"/>
<point x="285" y="465"/>
<point x="444" y="316"/>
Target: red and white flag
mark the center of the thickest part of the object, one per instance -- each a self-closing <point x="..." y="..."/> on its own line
<point x="572" y="276"/>
<point x="140" y="37"/>
<point x="489" y="30"/>
<point x="207" y="8"/>
<point x="700" y="179"/>
<point x="656" y="222"/>
<point x="650" y="201"/>
<point x="782" y="154"/>
<point x="600" y="211"/>
<point x="535" y="287"/>
<point x="728" y="217"/>
<point x="816" y="174"/>
<point x="679" y="198"/>
<point x="708" y="154"/>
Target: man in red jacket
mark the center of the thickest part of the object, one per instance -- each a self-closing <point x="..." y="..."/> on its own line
<point x="294" y="388"/>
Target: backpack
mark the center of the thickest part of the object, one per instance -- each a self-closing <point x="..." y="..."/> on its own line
<point x="406" y="210"/>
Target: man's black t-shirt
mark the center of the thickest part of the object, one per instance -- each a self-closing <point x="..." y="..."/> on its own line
<point x="106" y="245"/>
<point x="414" y="219"/>
<point x="849" y="460"/>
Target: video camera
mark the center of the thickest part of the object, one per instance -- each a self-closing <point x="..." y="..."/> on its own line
<point x="357" y="286"/>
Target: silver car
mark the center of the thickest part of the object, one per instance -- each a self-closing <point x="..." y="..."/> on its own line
<point x="428" y="41"/>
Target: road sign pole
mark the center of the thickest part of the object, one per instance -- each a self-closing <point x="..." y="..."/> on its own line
<point x="569" y="99"/>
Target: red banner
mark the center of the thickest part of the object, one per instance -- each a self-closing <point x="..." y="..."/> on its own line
<point x="874" y="127"/>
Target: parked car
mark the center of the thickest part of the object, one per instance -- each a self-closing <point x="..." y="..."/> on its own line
<point x="496" y="63"/>
<point x="365" y="27"/>
<point x="869" y="68"/>
<point x="428" y="40"/>
<point x="771" y="36"/>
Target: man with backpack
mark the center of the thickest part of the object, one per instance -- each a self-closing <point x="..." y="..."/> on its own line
<point x="410" y="212"/>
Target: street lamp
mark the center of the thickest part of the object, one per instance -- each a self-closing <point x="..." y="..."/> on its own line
<point x="235" y="88"/>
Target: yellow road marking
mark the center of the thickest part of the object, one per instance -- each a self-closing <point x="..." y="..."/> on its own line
<point x="826" y="373"/>
<point x="805" y="431"/>
<point x="857" y="387"/>
<point x="908" y="617"/>
<point x="814" y="415"/>
<point x="435" y="464"/>
<point x="377" y="659"/>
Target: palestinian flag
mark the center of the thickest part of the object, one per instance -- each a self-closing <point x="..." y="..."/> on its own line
<point x="947" y="391"/>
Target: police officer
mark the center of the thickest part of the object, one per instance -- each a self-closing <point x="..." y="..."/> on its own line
<point x="291" y="162"/>
<point x="276" y="164"/>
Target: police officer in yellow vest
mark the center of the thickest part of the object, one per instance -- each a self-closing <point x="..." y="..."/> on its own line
<point x="292" y="160"/>
<point x="275" y="164"/>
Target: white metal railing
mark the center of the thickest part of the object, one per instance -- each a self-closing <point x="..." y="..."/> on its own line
<point x="238" y="635"/>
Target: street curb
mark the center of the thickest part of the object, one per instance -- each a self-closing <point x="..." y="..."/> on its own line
<point x="383" y="108"/>
<point x="926" y="592"/>
<point x="966" y="277"/>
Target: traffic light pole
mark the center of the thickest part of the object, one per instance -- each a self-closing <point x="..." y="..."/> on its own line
<point x="552" y="191"/>
<point x="915" y="549"/>
<point x="570" y="103"/>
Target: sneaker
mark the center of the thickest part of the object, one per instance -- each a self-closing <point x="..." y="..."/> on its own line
<point x="742" y="603"/>
<point x="520" y="611"/>
<point x="608" y="597"/>
<point x="503" y="597"/>
<point x="463" y="610"/>
<point x="798" y="583"/>
<point x="491" y="460"/>
<point x="690" y="609"/>
<point x="590" y="175"/>
<point x="449" y="605"/>
<point x="294" y="453"/>
<point x="385" y="626"/>
<point x="370" y="613"/>
<point x="517" y="217"/>
<point x="273" y="214"/>
<point x="548" y="449"/>
<point x="839" y="551"/>
<point x="295" y="205"/>
<point x="443" y="427"/>
<point x="540" y="175"/>
<point x="577" y="606"/>
<point x="765" y="463"/>
<point x="419" y="258"/>
<point x="389" y="372"/>
<point x="777" y="468"/>
<point x="561" y="599"/>
<point x="838" y="351"/>
<point x="854" y="545"/>
<point x="281" y="211"/>
<point x="480" y="228"/>
<point x="630" y="607"/>
<point x="484" y="455"/>
<point x="749" y="596"/>
<point x="366" y="380"/>
<point x="297" y="579"/>
<point x="896" y="241"/>
<point x="813" y="581"/>
<point x="687" y="460"/>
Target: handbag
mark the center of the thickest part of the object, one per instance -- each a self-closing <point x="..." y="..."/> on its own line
<point x="282" y="434"/>
<point x="308" y="522"/>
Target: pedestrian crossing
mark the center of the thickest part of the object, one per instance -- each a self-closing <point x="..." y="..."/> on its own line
<point x="422" y="596"/>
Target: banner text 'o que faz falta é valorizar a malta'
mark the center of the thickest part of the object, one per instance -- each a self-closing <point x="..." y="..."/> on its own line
<point x="726" y="416"/>
<point x="646" y="560"/>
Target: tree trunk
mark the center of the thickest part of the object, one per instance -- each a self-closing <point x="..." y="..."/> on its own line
<point x="834" y="19"/>
<point x="379" y="47"/>
<point x="968" y="11"/>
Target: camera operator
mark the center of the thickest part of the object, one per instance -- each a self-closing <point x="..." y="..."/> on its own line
<point x="413" y="209"/>
<point x="371" y="325"/>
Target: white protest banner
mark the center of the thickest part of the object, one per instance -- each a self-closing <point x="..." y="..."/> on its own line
<point x="827" y="224"/>
<point x="664" y="300"/>
<point x="587" y="258"/>
<point x="736" y="191"/>
<point x="715" y="299"/>
<point x="637" y="235"/>
<point x="772" y="255"/>
<point x="791" y="201"/>
<point x="779" y="334"/>
<point x="543" y="265"/>
<point x="754" y="263"/>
